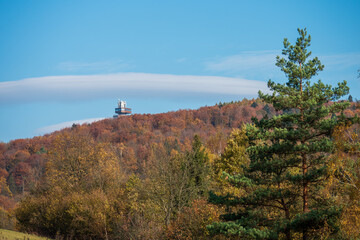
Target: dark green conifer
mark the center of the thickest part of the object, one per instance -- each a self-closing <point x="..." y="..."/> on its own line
<point x="254" y="104"/>
<point x="288" y="156"/>
<point x="197" y="161"/>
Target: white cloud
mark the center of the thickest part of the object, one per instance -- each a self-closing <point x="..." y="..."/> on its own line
<point x="59" y="126"/>
<point x="83" y="87"/>
<point x="245" y="63"/>
<point x="181" y="60"/>
<point x="261" y="64"/>
<point x="341" y="61"/>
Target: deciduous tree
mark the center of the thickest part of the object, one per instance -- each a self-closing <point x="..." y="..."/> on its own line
<point x="344" y="180"/>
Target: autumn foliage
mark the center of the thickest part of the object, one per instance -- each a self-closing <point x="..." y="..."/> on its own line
<point x="137" y="177"/>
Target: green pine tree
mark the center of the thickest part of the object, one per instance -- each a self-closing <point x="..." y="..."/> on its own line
<point x="197" y="162"/>
<point x="254" y="104"/>
<point x="288" y="156"/>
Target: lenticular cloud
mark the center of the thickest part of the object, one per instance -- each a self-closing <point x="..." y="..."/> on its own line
<point x="82" y="87"/>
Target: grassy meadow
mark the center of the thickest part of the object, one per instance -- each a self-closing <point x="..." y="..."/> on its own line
<point x="12" y="235"/>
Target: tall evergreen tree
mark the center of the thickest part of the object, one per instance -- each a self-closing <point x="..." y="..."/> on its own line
<point x="288" y="156"/>
<point x="197" y="162"/>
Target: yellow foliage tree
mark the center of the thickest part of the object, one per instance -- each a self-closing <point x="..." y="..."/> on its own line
<point x="344" y="180"/>
<point x="81" y="194"/>
<point x="232" y="161"/>
<point x="76" y="162"/>
<point x="192" y="221"/>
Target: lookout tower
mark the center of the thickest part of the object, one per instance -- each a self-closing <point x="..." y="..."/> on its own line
<point x="122" y="109"/>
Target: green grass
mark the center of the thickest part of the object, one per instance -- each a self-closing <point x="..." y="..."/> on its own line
<point x="12" y="235"/>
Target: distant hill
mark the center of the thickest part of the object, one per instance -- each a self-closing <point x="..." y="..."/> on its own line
<point x="22" y="161"/>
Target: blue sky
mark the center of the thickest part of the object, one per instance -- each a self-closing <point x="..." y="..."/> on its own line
<point x="69" y="61"/>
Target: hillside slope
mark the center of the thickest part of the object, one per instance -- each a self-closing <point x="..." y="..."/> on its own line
<point x="131" y="139"/>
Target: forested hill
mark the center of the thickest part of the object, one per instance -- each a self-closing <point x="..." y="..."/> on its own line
<point x="134" y="135"/>
<point x="131" y="140"/>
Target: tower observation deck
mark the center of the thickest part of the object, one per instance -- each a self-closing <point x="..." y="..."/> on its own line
<point x="122" y="109"/>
